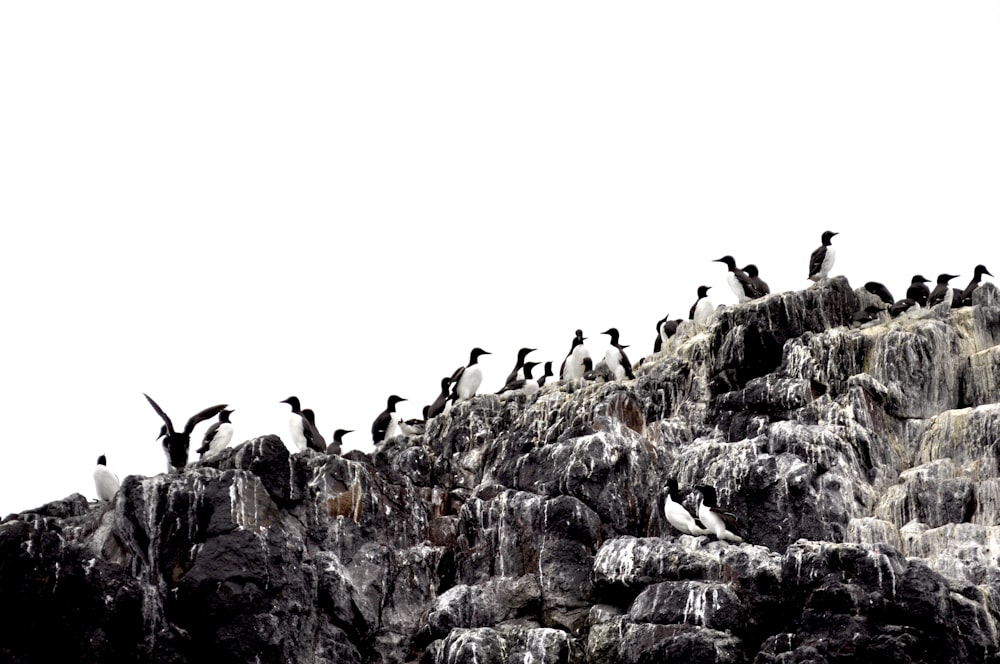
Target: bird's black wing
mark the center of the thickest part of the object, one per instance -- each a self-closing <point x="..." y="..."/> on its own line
<point x="626" y="364"/>
<point x="658" y="344"/>
<point x="816" y="260"/>
<point x="156" y="407"/>
<point x="314" y="439"/>
<point x="209" y="435"/>
<point x="201" y="416"/>
<point x="380" y="425"/>
<point x="732" y="523"/>
<point x="693" y="307"/>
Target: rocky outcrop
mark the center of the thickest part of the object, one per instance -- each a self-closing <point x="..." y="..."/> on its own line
<point x="863" y="463"/>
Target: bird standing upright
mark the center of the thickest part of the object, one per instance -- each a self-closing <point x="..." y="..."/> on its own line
<point x="297" y="424"/>
<point x="918" y="290"/>
<point x="678" y="516"/>
<point x="105" y="481"/>
<point x="966" y="298"/>
<point x="177" y="443"/>
<point x="384" y="425"/>
<point x="217" y="437"/>
<point x="942" y="291"/>
<point x="338" y="441"/>
<point x="821" y="260"/>
<point x="738" y="280"/>
<point x="615" y="357"/>
<point x="723" y="524"/>
<point x="466" y="380"/>
<point x="516" y="372"/>
<point x="759" y="284"/>
<point x="438" y="406"/>
<point x="314" y="439"/>
<point x="577" y="361"/>
<point x="702" y="310"/>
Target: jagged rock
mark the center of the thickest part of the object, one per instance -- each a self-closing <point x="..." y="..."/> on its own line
<point x="863" y="463"/>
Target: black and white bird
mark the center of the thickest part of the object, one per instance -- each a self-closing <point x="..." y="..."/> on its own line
<point x="516" y="372"/>
<point x="384" y="426"/>
<point x="337" y="445"/>
<point x="217" y="437"/>
<point x="297" y="424"/>
<point x="942" y="291"/>
<point x="759" y="284"/>
<point x="314" y="439"/>
<point x="723" y="524"/>
<point x="738" y="280"/>
<point x="678" y="516"/>
<point x="904" y="305"/>
<point x="466" y="380"/>
<point x="918" y="290"/>
<point x="821" y="260"/>
<point x="615" y="357"/>
<point x="866" y="315"/>
<point x="966" y="298"/>
<point x="660" y="336"/>
<point x="177" y="443"/>
<point x="105" y="481"/>
<point x="880" y="291"/>
<point x="415" y="425"/>
<point x="577" y="361"/>
<point x="547" y="374"/>
<point x="439" y="405"/>
<point x="702" y="310"/>
<point x="525" y="385"/>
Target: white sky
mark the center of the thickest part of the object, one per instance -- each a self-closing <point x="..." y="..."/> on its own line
<point x="234" y="202"/>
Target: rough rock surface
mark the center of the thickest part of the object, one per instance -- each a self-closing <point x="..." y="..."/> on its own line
<point x="863" y="463"/>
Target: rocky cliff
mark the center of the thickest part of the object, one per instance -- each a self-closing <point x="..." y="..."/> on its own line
<point x="862" y="462"/>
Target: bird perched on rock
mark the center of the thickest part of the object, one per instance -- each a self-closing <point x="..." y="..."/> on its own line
<point x="879" y="291"/>
<point x="724" y="525"/>
<point x="821" y="260"/>
<point x="314" y="439"/>
<point x="615" y="357"/>
<point x="918" y="290"/>
<point x="177" y="443"/>
<point x="577" y="361"/>
<point x="466" y="380"/>
<point x="866" y="315"/>
<point x="105" y="481"/>
<point x="903" y="306"/>
<point x="547" y="374"/>
<point x="298" y="426"/>
<point x="217" y="437"/>
<point x="438" y="405"/>
<point x="966" y="298"/>
<point x="678" y="516"/>
<point x="738" y="280"/>
<point x="338" y="441"/>
<point x="942" y="291"/>
<point x="414" y="426"/>
<point x="516" y="371"/>
<point x="702" y="310"/>
<point x="525" y="385"/>
<point x="384" y="425"/>
<point x="759" y="284"/>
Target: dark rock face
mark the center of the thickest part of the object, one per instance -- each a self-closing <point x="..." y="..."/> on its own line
<point x="863" y="463"/>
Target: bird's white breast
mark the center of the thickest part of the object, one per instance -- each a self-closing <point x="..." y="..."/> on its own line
<point x="105" y="482"/>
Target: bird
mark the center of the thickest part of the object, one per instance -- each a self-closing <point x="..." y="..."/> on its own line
<point x="314" y="439"/>
<point x="942" y="291"/>
<point x="738" y="280"/>
<point x="660" y="336"/>
<point x="678" y="516"/>
<point x="866" y="315"/>
<point x="297" y="424"/>
<point x="516" y="372"/>
<point x="338" y="441"/>
<point x="217" y="437"/>
<point x="879" y="291"/>
<point x="821" y="260"/>
<point x="105" y="481"/>
<point x="547" y="374"/>
<point x="577" y="361"/>
<point x="526" y="385"/>
<point x="966" y="298"/>
<point x="438" y="405"/>
<point x="384" y="425"/>
<point x="414" y="426"/>
<point x="466" y="380"/>
<point x="724" y="525"/>
<point x="918" y="290"/>
<point x="702" y="310"/>
<point x="615" y="357"/>
<point x="759" y="284"/>
<point x="177" y="443"/>
<point x="903" y="306"/>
